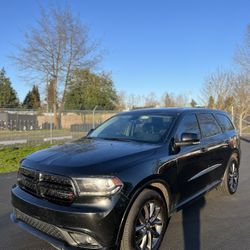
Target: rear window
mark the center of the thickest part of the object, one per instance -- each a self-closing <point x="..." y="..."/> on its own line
<point x="224" y="122"/>
<point x="209" y="126"/>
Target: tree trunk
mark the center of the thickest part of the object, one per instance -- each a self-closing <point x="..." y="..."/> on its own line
<point x="56" y="125"/>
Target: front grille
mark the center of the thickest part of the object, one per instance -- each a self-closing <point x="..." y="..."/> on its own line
<point x="55" y="188"/>
<point x="39" y="225"/>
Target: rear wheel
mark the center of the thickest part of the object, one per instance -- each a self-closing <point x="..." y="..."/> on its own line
<point x="146" y="222"/>
<point x="231" y="177"/>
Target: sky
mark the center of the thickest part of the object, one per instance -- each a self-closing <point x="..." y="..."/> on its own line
<point x="150" y="45"/>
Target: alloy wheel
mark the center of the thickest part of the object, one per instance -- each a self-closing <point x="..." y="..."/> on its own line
<point x="149" y="225"/>
<point x="233" y="177"/>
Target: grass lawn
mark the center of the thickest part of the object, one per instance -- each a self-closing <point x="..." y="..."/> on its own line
<point x="11" y="156"/>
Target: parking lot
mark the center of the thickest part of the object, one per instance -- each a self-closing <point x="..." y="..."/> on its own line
<point x="212" y="222"/>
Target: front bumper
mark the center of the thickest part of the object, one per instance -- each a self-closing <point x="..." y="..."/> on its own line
<point x="56" y="223"/>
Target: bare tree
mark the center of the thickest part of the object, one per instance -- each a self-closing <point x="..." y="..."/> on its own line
<point x="131" y="101"/>
<point x="242" y="96"/>
<point x="242" y="55"/>
<point x="218" y="85"/>
<point x="121" y="100"/>
<point x="181" y="100"/>
<point x="134" y="101"/>
<point x="172" y="100"/>
<point x="223" y="90"/>
<point x="242" y="81"/>
<point x="57" y="45"/>
<point x="151" y="100"/>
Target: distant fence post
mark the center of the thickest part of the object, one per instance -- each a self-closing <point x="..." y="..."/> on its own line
<point x="240" y="125"/>
<point x="51" y="128"/>
<point x="93" y="117"/>
<point x="232" y="113"/>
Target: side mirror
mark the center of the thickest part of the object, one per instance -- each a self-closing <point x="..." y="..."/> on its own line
<point x="188" y="139"/>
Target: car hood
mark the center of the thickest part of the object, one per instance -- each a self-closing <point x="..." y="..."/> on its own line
<point x="89" y="156"/>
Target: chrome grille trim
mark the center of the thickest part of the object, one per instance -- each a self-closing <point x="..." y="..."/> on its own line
<point x="55" y="188"/>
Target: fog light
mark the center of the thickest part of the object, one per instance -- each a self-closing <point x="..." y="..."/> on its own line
<point x="85" y="241"/>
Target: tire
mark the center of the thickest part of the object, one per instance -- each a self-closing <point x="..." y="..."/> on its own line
<point x="146" y="222"/>
<point x="230" y="180"/>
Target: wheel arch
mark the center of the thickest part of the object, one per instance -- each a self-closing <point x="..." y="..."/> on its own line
<point x="238" y="155"/>
<point x="235" y="152"/>
<point x="153" y="183"/>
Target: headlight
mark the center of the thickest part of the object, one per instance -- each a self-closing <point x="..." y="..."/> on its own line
<point x="98" y="186"/>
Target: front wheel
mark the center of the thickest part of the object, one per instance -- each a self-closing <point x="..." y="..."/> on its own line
<point x="231" y="177"/>
<point x="146" y="222"/>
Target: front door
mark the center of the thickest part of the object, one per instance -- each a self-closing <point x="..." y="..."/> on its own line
<point x="190" y="162"/>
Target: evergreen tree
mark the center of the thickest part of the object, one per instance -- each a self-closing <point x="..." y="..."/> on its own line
<point x="211" y="103"/>
<point x="8" y="96"/>
<point x="32" y="99"/>
<point x="193" y="103"/>
<point x="88" y="90"/>
<point x="228" y="103"/>
<point x="169" y="100"/>
<point x="27" y="103"/>
<point x="36" y="96"/>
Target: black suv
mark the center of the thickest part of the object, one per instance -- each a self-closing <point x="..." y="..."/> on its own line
<point x="117" y="187"/>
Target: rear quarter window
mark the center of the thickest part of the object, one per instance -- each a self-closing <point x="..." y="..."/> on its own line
<point x="224" y="122"/>
<point x="209" y="126"/>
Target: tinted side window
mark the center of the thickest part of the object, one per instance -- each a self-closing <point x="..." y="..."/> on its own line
<point x="188" y="124"/>
<point x="208" y="125"/>
<point x="225" y="122"/>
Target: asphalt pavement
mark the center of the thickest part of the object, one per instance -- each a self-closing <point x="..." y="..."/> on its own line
<point x="213" y="222"/>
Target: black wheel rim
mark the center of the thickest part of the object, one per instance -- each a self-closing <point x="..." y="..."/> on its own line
<point x="149" y="225"/>
<point x="233" y="177"/>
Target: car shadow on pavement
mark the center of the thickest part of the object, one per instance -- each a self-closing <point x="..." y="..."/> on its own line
<point x="191" y="224"/>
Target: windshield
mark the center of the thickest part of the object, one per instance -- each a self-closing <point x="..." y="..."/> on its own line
<point x="144" y="128"/>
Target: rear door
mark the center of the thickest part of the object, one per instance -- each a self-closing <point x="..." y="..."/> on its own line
<point x="214" y="148"/>
<point x="231" y="138"/>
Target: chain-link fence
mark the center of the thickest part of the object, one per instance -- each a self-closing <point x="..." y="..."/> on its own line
<point x="244" y="125"/>
<point x="33" y="127"/>
<point x="241" y="122"/>
<point x="19" y="127"/>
